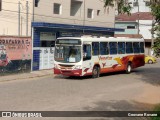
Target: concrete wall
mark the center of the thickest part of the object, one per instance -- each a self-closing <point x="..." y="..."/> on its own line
<point x="145" y="28"/>
<point x="9" y="17"/>
<point x="44" y="13"/>
<point x="15" y="54"/>
<point x="124" y="25"/>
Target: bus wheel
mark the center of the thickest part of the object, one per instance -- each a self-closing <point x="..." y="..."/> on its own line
<point x="95" y="72"/>
<point x="128" y="69"/>
<point x="150" y="61"/>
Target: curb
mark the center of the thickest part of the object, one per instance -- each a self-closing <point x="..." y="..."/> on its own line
<point x="24" y="76"/>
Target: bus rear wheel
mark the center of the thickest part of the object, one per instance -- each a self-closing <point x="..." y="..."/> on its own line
<point x="150" y="61"/>
<point x="95" y="72"/>
<point x="128" y="69"/>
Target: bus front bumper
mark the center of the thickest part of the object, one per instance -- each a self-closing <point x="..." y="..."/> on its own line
<point x="77" y="72"/>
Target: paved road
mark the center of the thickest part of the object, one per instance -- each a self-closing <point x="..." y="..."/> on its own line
<point x="139" y="90"/>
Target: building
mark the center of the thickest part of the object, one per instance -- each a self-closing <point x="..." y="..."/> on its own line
<point x="140" y="5"/>
<point x="130" y="27"/>
<point x="58" y="18"/>
<point x="141" y="22"/>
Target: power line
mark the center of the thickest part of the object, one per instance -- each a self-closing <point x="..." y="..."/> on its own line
<point x="55" y="17"/>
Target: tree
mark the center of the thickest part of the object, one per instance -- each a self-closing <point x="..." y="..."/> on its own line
<point x="124" y="7"/>
<point x="155" y="9"/>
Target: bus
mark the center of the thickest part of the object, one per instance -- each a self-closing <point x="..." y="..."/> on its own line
<point x="83" y="56"/>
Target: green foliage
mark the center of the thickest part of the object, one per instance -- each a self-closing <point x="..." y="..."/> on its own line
<point x="155" y="8"/>
<point x="157" y="108"/>
<point x="108" y="3"/>
<point x="156" y="45"/>
<point x="122" y="5"/>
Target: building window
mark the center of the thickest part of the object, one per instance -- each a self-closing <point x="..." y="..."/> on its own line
<point x="90" y="13"/>
<point x="57" y="8"/>
<point x="36" y="3"/>
<point x="98" y="12"/>
<point x="47" y="39"/>
<point x="75" y="8"/>
<point x="131" y="27"/>
<point x="147" y="3"/>
<point x="135" y="4"/>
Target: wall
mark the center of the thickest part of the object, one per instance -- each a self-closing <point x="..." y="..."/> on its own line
<point x="145" y="28"/>
<point x="15" y="54"/>
<point x="44" y="13"/>
<point x="124" y="26"/>
<point x="9" y="17"/>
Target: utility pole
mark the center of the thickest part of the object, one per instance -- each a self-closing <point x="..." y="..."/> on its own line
<point x="138" y="16"/>
<point x="84" y="12"/>
<point x="21" y="26"/>
<point x="33" y="11"/>
<point x="152" y="38"/>
<point x="26" y="18"/>
<point x="19" y="14"/>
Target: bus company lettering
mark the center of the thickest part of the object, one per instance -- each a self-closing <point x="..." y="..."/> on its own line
<point x="105" y="58"/>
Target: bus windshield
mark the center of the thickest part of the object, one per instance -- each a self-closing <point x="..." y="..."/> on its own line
<point x="67" y="53"/>
<point x="2" y="56"/>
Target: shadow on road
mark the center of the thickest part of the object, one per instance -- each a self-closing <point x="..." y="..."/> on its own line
<point x="121" y="105"/>
<point x="149" y="75"/>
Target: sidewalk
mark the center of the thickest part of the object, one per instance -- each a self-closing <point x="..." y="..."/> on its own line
<point x="33" y="74"/>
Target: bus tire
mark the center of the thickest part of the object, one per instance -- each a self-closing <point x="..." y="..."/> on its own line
<point x="129" y="68"/>
<point x="150" y="61"/>
<point x="95" y="72"/>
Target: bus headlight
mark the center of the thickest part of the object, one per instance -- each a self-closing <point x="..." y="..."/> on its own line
<point x="56" y="66"/>
<point x="77" y="67"/>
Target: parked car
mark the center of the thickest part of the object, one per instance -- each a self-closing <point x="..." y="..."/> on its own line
<point x="150" y="59"/>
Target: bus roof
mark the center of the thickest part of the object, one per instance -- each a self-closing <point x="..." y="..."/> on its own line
<point x="104" y="39"/>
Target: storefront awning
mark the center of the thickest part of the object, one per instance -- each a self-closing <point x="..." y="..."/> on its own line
<point x="77" y="27"/>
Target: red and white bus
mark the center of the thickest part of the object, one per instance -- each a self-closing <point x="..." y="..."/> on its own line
<point x="82" y="56"/>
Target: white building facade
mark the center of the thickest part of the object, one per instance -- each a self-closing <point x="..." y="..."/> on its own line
<point x="140" y="5"/>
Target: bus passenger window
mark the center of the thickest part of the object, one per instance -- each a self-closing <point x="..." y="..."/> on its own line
<point x="113" y="48"/>
<point x="104" y="48"/>
<point x="129" y="47"/>
<point x="86" y="52"/>
<point x="141" y="47"/>
<point x="95" y="48"/>
<point x="121" y="48"/>
<point x="136" y="47"/>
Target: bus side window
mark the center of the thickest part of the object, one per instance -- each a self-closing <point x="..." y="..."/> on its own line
<point x="136" y="47"/>
<point x="86" y="52"/>
<point x="95" y="48"/>
<point x="141" y="47"/>
<point x="121" y="48"/>
<point x="113" y="48"/>
<point x="104" y="48"/>
<point x="129" y="47"/>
